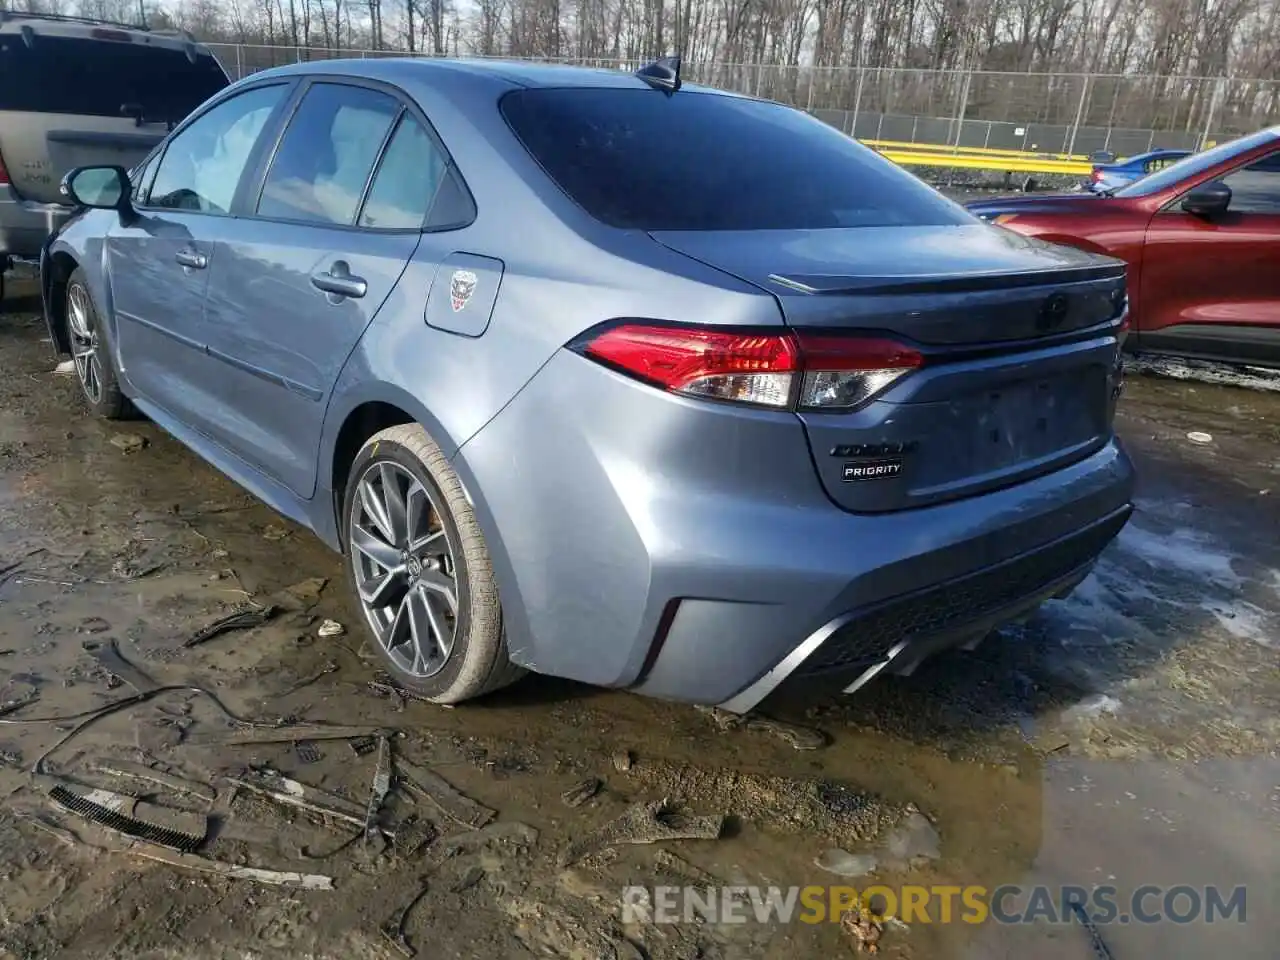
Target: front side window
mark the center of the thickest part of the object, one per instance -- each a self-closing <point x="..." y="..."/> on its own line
<point x="202" y="164"/>
<point x="641" y="160"/>
<point x="1256" y="188"/>
<point x="407" y="180"/>
<point x="328" y="151"/>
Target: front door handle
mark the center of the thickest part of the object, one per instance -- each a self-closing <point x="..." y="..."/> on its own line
<point x="192" y="259"/>
<point x="339" y="282"/>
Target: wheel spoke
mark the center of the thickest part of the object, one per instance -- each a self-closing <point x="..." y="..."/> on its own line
<point x="440" y="627"/>
<point x="394" y="505"/>
<point x="375" y="548"/>
<point x="421" y="629"/>
<point x="376" y="511"/>
<point x="378" y="590"/>
<point x="442" y="585"/>
<point x="417" y="513"/>
<point x="434" y="544"/>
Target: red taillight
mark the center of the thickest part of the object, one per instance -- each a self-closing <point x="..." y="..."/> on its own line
<point x="811" y="371"/>
<point x="4" y="174"/>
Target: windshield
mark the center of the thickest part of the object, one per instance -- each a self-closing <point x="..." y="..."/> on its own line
<point x="642" y="160"/>
<point x="1195" y="163"/>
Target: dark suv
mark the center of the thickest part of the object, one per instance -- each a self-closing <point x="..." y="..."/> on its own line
<point x="76" y="92"/>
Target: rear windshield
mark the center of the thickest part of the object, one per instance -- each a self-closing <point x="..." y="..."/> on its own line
<point x="103" y="78"/>
<point x="642" y="160"/>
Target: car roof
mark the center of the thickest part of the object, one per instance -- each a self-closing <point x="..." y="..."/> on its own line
<point x="478" y="71"/>
<point x="54" y="25"/>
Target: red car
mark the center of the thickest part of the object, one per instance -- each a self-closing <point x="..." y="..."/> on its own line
<point x="1202" y="241"/>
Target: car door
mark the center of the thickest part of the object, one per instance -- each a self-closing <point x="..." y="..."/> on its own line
<point x="339" y="212"/>
<point x="1212" y="283"/>
<point x="159" y="257"/>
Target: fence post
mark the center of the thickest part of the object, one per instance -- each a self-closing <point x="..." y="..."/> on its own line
<point x="812" y="71"/>
<point x="1213" y="106"/>
<point x="1075" y="128"/>
<point x="964" y="105"/>
<point x="857" y="104"/>
<point x="239" y="62"/>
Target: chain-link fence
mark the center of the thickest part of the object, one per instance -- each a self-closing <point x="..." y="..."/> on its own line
<point x="1046" y="112"/>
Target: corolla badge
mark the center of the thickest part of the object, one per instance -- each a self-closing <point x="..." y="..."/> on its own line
<point x="1054" y="311"/>
<point x="461" y="286"/>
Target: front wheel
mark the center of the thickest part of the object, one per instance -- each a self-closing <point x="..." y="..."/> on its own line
<point x="94" y="366"/>
<point x="421" y="571"/>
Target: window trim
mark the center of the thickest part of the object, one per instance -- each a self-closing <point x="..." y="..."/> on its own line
<point x="1172" y="206"/>
<point x="251" y="162"/>
<point x="257" y="183"/>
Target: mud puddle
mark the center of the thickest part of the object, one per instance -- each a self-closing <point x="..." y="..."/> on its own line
<point x="1159" y="671"/>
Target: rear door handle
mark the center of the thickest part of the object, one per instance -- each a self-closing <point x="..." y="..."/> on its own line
<point x="192" y="259"/>
<point x="340" y="282"/>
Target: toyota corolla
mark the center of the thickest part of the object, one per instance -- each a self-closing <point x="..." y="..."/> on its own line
<point x="602" y="376"/>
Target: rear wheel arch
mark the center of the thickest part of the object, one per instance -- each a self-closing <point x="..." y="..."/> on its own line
<point x="61" y="265"/>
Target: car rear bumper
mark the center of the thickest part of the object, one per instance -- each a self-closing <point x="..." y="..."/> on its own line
<point x="25" y="224"/>
<point x="687" y="550"/>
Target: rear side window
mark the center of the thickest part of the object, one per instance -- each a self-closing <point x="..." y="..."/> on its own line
<point x="328" y="151"/>
<point x="641" y="160"/>
<point x="407" y="180"/>
<point x="104" y="78"/>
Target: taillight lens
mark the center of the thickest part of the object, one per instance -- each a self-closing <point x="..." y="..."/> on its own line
<point x="4" y="173"/>
<point x="790" y="368"/>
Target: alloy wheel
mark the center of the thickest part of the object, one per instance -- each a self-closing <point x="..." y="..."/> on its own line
<point x="405" y="570"/>
<point x="84" y="343"/>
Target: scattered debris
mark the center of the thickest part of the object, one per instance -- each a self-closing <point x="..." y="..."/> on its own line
<point x="507" y="831"/>
<point x="67" y="368"/>
<point x="191" y="861"/>
<point x="844" y="864"/>
<point x="413" y="833"/>
<point x="94" y="625"/>
<point x="362" y="746"/>
<point x="120" y="813"/>
<point x="274" y="532"/>
<point x="240" y="620"/>
<point x="381" y="787"/>
<point x="798" y="737"/>
<point x="128" y="442"/>
<point x="304" y="594"/>
<point x="622" y="760"/>
<point x="393" y="929"/>
<point x="384" y="685"/>
<point x="454" y="804"/>
<point x="276" y="786"/>
<point x="913" y="839"/>
<point x="644" y="823"/>
<point x="324" y="671"/>
<point x="112" y="660"/>
<point x="307" y="751"/>
<point x="140" y="771"/>
<point x="13" y="706"/>
<point x="284" y="733"/>
<point x="581" y="792"/>
<point x="330" y="628"/>
<point x="61" y="834"/>
<point x="1199" y="436"/>
<point x="865" y="929"/>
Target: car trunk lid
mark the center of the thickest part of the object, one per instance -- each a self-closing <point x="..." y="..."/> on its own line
<point x="1019" y="340"/>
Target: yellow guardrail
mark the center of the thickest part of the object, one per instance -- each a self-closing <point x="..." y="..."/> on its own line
<point x="907" y="145"/>
<point x="1015" y="164"/>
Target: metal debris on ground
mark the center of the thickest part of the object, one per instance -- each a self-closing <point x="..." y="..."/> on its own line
<point x="283" y="733"/>
<point x="67" y="368"/>
<point x="381" y="787"/>
<point x="112" y="660"/>
<point x="865" y="929"/>
<point x="121" y="814"/>
<point x="362" y="746"/>
<point x="1199" y="436"/>
<point x="447" y="798"/>
<point x="274" y="532"/>
<point x="13" y="706"/>
<point x="240" y="620"/>
<point x="302" y="684"/>
<point x="509" y="832"/>
<point x="622" y="760"/>
<point x="1096" y="943"/>
<point x="644" y="823"/>
<point x="275" y="786"/>
<point x="845" y="864"/>
<point x="192" y="861"/>
<point x="307" y="751"/>
<point x="581" y="792"/>
<point x="412" y="834"/>
<point x="795" y="735"/>
<point x="140" y="771"/>
<point x="384" y="685"/>
<point x="393" y="929"/>
<point x="330" y="628"/>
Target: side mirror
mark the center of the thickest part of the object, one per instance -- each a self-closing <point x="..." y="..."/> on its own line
<point x="1208" y="199"/>
<point x="103" y="188"/>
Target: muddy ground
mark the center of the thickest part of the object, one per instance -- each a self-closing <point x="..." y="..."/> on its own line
<point x="1126" y="735"/>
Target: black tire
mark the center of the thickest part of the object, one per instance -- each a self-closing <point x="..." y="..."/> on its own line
<point x="100" y="388"/>
<point x="478" y="662"/>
